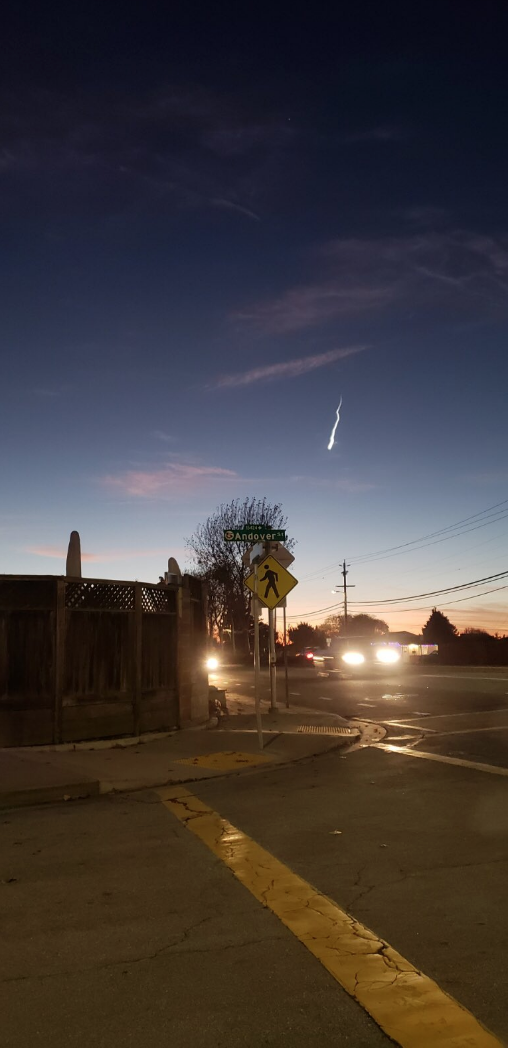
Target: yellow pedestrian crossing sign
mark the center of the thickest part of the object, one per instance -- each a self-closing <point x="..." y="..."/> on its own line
<point x="274" y="582"/>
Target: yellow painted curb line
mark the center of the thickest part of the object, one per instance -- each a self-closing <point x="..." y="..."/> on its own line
<point x="404" y="1002"/>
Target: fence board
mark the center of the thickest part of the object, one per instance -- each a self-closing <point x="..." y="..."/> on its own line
<point x="96" y="655"/>
<point x="84" y="658"/>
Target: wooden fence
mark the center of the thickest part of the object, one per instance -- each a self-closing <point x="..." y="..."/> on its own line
<point x="87" y="658"/>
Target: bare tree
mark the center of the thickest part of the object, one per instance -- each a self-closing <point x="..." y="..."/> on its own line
<point x="333" y="625"/>
<point x="220" y="562"/>
<point x="360" y="625"/>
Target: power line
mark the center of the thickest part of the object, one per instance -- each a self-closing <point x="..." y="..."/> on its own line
<point x="424" y="545"/>
<point x="390" y="601"/>
<point x="425" y="607"/>
<point x="435" y="542"/>
<point x="405" y="546"/>
<point x="432" y="534"/>
<point x="435" y="593"/>
<point x="421" y="607"/>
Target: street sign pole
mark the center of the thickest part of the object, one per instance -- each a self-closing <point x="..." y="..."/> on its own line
<point x="257" y="675"/>
<point x="273" y="665"/>
<point x="286" y="680"/>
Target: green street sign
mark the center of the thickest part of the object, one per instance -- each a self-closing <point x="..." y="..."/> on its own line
<point x="255" y="533"/>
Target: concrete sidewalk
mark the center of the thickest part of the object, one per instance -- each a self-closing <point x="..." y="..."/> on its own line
<point x="47" y="774"/>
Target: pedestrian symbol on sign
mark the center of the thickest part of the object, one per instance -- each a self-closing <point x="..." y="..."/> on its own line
<point x="271" y="578"/>
<point x="273" y="583"/>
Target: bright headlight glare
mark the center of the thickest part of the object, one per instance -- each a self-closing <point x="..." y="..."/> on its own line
<point x="212" y="663"/>
<point x="353" y="658"/>
<point x="387" y="655"/>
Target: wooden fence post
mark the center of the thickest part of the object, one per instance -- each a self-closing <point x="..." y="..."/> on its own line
<point x="138" y="656"/>
<point x="59" y="660"/>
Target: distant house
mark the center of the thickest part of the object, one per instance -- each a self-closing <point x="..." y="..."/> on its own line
<point x="412" y="645"/>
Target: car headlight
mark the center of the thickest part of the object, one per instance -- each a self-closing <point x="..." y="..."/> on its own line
<point x="387" y="655"/>
<point x="353" y="658"/>
<point x="212" y="663"/>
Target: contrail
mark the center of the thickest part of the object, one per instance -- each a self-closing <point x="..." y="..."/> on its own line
<point x="334" y="430"/>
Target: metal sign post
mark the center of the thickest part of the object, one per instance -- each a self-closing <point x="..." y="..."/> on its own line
<point x="286" y="679"/>
<point x="272" y="660"/>
<point x="257" y="674"/>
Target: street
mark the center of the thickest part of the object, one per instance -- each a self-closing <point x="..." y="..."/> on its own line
<point x="126" y="924"/>
<point x="452" y="712"/>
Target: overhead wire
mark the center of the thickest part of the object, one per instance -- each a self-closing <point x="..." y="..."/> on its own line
<point x="424" y="607"/>
<point x="458" y="529"/>
<point x="433" y="534"/>
<point x="391" y="601"/>
<point x="433" y="593"/>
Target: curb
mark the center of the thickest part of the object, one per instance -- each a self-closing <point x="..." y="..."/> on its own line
<point x="37" y="795"/>
<point x="370" y="733"/>
<point x="336" y="743"/>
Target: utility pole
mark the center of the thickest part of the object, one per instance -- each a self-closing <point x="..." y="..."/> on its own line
<point x="345" y="586"/>
<point x="344" y="577"/>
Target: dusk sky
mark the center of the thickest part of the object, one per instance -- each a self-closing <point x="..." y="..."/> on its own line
<point x="213" y="228"/>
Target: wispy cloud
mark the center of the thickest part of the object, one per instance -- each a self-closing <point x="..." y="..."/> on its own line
<point x="174" y="478"/>
<point x="285" y="369"/>
<point x="49" y="392"/>
<point x="160" y="434"/>
<point x="425" y="216"/>
<point x="229" y="205"/>
<point x="309" y="305"/>
<point x="459" y="270"/>
<point x="175" y="147"/>
<point x="59" y="553"/>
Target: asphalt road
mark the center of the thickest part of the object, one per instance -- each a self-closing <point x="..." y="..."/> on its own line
<point x="456" y="712"/>
<point x="121" y="929"/>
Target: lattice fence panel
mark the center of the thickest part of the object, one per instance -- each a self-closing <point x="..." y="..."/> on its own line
<point x="158" y="600"/>
<point x="105" y="595"/>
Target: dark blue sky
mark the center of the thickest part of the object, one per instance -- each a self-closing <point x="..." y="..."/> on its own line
<point x="214" y="227"/>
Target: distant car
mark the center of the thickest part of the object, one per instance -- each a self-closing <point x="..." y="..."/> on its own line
<point x="305" y="657"/>
<point x="356" y="655"/>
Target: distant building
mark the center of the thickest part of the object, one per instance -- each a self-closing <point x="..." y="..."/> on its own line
<point x="412" y="645"/>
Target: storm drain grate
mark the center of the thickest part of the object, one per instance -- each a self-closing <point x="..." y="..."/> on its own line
<point x="326" y="729"/>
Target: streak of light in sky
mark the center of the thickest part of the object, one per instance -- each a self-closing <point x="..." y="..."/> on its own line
<point x="331" y="442"/>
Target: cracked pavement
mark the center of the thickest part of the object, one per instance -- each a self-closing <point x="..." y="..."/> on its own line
<point x="421" y="860"/>
<point x="120" y="928"/>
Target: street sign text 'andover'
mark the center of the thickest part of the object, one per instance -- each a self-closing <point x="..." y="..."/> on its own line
<point x="261" y="534"/>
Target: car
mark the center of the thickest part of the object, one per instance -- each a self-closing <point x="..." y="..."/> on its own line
<point x="305" y="657"/>
<point x="356" y="655"/>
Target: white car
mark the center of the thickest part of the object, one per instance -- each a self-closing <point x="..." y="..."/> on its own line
<point x="355" y="655"/>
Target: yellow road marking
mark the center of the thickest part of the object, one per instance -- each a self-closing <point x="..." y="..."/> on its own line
<point x="474" y="765"/>
<point x="404" y="1002"/>
<point x="226" y="760"/>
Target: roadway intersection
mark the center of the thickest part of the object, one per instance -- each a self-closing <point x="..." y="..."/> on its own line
<point x="352" y="900"/>
<point x="459" y="712"/>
